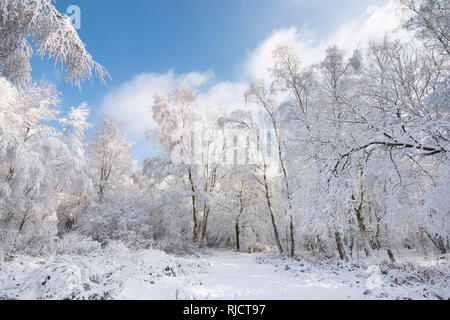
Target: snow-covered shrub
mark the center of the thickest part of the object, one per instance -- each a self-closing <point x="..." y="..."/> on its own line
<point x="177" y="247"/>
<point x="74" y="244"/>
<point x="130" y="225"/>
<point x="258" y="247"/>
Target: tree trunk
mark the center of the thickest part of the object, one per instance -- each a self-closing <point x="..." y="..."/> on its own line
<point x="441" y="243"/>
<point x="238" y="245"/>
<point x="340" y="245"/>
<point x="22" y="223"/>
<point x="204" y="225"/>
<point x="387" y="244"/>
<point x="194" y="209"/>
<point x="363" y="232"/>
<point x="291" y="226"/>
<point x="359" y="217"/>
<point x="195" y="228"/>
<point x="376" y="240"/>
<point x="272" y="217"/>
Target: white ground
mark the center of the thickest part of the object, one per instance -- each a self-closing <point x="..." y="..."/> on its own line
<point x="242" y="276"/>
<point x="119" y="273"/>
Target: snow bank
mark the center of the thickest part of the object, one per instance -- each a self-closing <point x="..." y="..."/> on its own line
<point x="115" y="272"/>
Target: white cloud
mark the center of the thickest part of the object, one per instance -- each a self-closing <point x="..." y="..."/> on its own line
<point x="260" y="60"/>
<point x="376" y="22"/>
<point x="132" y="101"/>
<point x="374" y="25"/>
<point x="224" y="96"/>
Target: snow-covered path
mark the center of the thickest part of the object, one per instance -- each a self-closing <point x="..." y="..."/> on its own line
<point x="242" y="276"/>
<point x="119" y="273"/>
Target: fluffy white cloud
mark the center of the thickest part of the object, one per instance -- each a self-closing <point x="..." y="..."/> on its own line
<point x="132" y="101"/>
<point x="376" y="22"/>
<point x="260" y="60"/>
<point x="223" y="97"/>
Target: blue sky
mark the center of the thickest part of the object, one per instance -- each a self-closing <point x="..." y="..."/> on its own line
<point x="154" y="36"/>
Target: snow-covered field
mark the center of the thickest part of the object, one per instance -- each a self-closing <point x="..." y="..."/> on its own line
<point x="119" y="273"/>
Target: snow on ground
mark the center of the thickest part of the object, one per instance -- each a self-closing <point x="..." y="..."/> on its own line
<point x="251" y="276"/>
<point x="119" y="273"/>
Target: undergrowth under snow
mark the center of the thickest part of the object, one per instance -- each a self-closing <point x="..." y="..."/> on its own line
<point x="116" y="272"/>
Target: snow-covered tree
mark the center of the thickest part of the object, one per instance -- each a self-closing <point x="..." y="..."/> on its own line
<point x="51" y="34"/>
<point x="40" y="163"/>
